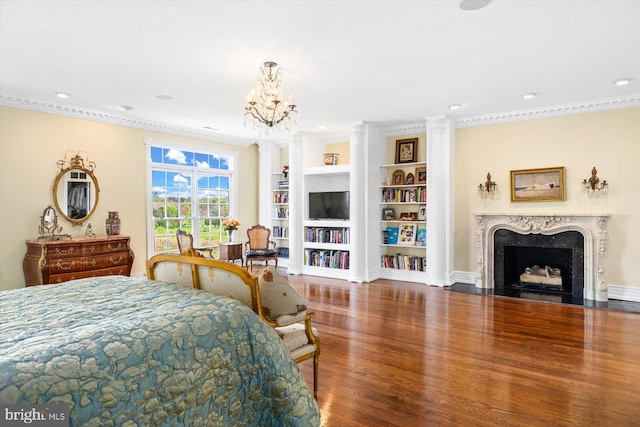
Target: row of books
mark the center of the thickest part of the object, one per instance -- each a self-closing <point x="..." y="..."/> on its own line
<point x="283" y="184"/>
<point x="404" y="262"/>
<point x="280" y="197"/>
<point x="397" y="195"/>
<point x="324" y="258"/>
<point x="282" y="232"/>
<point x="326" y="235"/>
<point x="281" y="212"/>
<point x="283" y="252"/>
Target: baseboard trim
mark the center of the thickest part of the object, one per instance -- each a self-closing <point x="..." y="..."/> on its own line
<point x="617" y="292"/>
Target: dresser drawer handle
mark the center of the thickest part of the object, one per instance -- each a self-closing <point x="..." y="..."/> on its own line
<point x="66" y="266"/>
<point x="93" y="262"/>
<point x="92" y="248"/>
<point x="59" y="251"/>
<point x="114" y="248"/>
<point x="115" y="261"/>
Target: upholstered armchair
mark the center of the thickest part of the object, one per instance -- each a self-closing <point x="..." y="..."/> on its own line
<point x="260" y="247"/>
<point x="185" y="242"/>
<point x="287" y="311"/>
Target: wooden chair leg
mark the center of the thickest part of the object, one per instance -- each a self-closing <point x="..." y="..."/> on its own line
<point x="315" y="375"/>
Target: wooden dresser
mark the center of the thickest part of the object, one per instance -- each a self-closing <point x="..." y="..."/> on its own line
<point x="56" y="261"/>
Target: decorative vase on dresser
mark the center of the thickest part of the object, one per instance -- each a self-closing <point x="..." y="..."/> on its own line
<point x="56" y="261"/>
<point x="113" y="224"/>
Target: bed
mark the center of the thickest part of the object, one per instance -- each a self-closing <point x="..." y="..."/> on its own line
<point x="131" y="351"/>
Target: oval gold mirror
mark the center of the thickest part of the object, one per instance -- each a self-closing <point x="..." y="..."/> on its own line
<point x="76" y="190"/>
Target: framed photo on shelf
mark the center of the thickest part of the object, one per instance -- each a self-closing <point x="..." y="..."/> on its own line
<point x="413" y="216"/>
<point x="407" y="234"/>
<point x="537" y="185"/>
<point x="421" y="175"/>
<point x="405" y="216"/>
<point x="421" y="237"/>
<point x="388" y="214"/>
<point x="398" y="177"/>
<point x="406" y="150"/>
<point x="410" y="179"/>
<point x="422" y="213"/>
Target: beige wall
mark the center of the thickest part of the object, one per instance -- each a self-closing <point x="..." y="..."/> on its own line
<point x="30" y="145"/>
<point x="608" y="140"/>
<point x="342" y="149"/>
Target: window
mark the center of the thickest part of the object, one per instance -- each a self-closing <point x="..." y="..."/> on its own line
<point x="188" y="188"/>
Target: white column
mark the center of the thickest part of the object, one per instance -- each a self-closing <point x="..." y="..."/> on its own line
<point x="357" y="208"/>
<point x="296" y="200"/>
<point x="440" y="199"/>
<point x="267" y="152"/>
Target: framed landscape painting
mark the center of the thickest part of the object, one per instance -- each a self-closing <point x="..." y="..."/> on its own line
<point x="537" y="185"/>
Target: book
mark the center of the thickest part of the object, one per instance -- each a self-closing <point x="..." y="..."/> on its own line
<point x="421" y="237"/>
<point x="392" y="235"/>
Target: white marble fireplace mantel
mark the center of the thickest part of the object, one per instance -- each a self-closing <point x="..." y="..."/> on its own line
<point x="592" y="226"/>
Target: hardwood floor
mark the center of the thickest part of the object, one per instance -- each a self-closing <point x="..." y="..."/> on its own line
<point x="404" y="354"/>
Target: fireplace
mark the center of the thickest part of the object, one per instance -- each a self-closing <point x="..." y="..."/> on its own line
<point x="574" y="244"/>
<point x="562" y="254"/>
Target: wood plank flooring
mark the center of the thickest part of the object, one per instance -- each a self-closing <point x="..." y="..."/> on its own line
<point x="404" y="354"/>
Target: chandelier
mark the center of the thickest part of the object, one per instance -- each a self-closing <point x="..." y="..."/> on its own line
<point x="265" y="107"/>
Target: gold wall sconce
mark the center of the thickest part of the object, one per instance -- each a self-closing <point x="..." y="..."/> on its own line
<point x="488" y="189"/>
<point x="593" y="186"/>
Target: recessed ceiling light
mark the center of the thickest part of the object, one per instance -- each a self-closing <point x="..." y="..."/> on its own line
<point x="454" y="107"/>
<point x="62" y="95"/>
<point x="165" y="97"/>
<point x="529" y="95"/>
<point x="126" y="107"/>
<point x="473" y="4"/>
<point x="622" y="82"/>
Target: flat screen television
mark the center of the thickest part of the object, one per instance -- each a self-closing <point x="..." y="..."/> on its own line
<point x="329" y="205"/>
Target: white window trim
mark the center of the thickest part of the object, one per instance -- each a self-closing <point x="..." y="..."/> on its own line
<point x="232" y="171"/>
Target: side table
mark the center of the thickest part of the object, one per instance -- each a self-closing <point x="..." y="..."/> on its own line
<point x="231" y="252"/>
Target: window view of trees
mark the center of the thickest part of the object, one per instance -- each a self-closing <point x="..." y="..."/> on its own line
<point x="179" y="204"/>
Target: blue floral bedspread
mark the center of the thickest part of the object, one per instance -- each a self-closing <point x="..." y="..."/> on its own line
<point x="133" y="352"/>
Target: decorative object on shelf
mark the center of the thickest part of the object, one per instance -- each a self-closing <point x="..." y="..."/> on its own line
<point x="410" y="179"/>
<point x="330" y="159"/>
<point x="406" y="150"/>
<point x="405" y="216"/>
<point x="89" y="233"/>
<point x="113" y="223"/>
<point x="488" y="189"/>
<point x="265" y="107"/>
<point x="413" y="216"/>
<point x="388" y="214"/>
<point x="49" y="226"/>
<point x="593" y="187"/>
<point x="407" y="234"/>
<point x="75" y="190"/>
<point x="230" y="225"/>
<point x="422" y="213"/>
<point x="421" y="237"/>
<point x="398" y="177"/>
<point x="421" y="175"/>
<point x="537" y="185"/>
<point x="285" y="171"/>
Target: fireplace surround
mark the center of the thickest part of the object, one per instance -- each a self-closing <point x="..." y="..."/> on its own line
<point x="592" y="228"/>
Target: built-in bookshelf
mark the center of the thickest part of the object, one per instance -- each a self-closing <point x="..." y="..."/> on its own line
<point x="326" y="243"/>
<point x="403" y="225"/>
<point x="280" y="215"/>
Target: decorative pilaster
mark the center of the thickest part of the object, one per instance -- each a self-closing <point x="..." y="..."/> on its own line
<point x="357" y="191"/>
<point x="440" y="197"/>
<point x="295" y="203"/>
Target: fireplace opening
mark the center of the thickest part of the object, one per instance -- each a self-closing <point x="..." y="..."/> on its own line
<point x="561" y="254"/>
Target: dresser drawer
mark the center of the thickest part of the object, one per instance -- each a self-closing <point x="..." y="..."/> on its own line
<point x="64" y="251"/>
<point x="66" y="265"/>
<point x="113" y="271"/>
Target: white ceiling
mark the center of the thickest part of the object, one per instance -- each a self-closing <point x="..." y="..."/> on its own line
<point x="387" y="62"/>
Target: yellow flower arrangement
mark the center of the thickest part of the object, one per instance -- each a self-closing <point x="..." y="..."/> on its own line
<point x="230" y="224"/>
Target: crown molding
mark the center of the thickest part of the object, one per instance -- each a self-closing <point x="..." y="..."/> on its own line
<point x="405" y="129"/>
<point x="628" y="101"/>
<point x="113" y="119"/>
